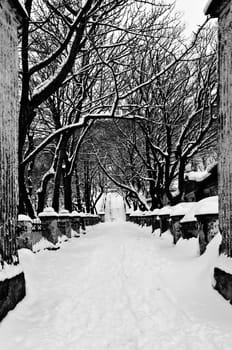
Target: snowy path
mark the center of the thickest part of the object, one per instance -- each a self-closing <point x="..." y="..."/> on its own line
<point x="118" y="288"/>
<point x="114" y="209"/>
<point x="110" y="290"/>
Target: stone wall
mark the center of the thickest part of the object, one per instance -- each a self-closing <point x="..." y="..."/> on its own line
<point x="8" y="131"/>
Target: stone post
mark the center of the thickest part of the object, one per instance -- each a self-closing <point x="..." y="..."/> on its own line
<point x="24" y="232"/>
<point x="64" y="223"/>
<point x="82" y="223"/>
<point x="189" y="228"/>
<point x="164" y="217"/>
<point x="102" y="216"/>
<point x="75" y="224"/>
<point x="206" y="212"/>
<point x="178" y="212"/>
<point x="36" y="231"/>
<point x="155" y="222"/>
<point x="175" y="227"/>
<point x="49" y="219"/>
<point x="208" y="228"/>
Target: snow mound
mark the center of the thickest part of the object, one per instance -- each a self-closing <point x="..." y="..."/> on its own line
<point x="136" y="213"/>
<point x="182" y="208"/>
<point x="156" y="211"/>
<point x="165" y="210"/>
<point x="147" y="213"/>
<point x="74" y="213"/>
<point x="42" y="245"/>
<point x="197" y="175"/>
<point x="207" y="205"/>
<point x="49" y="211"/>
<point x="64" y="212"/>
<point x="9" y="271"/>
<point x="22" y="217"/>
<point x="188" y="247"/>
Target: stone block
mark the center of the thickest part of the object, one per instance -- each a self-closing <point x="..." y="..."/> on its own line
<point x="24" y="232"/>
<point x="164" y="223"/>
<point x="12" y="291"/>
<point x="155" y="223"/>
<point x="208" y="228"/>
<point x="175" y="228"/>
<point x="75" y="223"/>
<point x="49" y="219"/>
<point x="64" y="223"/>
<point x="102" y="216"/>
<point x="189" y="229"/>
<point x="223" y="283"/>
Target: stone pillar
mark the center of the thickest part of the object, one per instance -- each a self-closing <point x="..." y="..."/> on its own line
<point x="155" y="223"/>
<point x="36" y="231"/>
<point x="189" y="229"/>
<point x="164" y="223"/>
<point x="208" y="228"/>
<point x="175" y="227"/>
<point x="102" y="216"/>
<point x="24" y="232"/>
<point x="49" y="219"/>
<point x="155" y="220"/>
<point x="83" y="223"/>
<point x="75" y="224"/>
<point x="64" y="223"/>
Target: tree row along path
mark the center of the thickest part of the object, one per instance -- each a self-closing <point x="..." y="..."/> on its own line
<point x="117" y="288"/>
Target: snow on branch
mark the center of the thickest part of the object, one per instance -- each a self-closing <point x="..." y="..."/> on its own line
<point x="62" y="47"/>
<point x="81" y="123"/>
<point x="125" y="187"/>
<point x="170" y="65"/>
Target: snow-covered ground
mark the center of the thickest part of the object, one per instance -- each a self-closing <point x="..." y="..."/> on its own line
<point x="114" y="209"/>
<point x="119" y="288"/>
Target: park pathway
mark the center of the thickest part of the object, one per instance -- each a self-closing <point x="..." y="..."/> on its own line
<point x="114" y="209"/>
<point x="111" y="289"/>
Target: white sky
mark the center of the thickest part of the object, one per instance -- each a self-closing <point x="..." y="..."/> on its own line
<point x="193" y="12"/>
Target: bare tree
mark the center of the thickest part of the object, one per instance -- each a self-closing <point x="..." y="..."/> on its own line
<point x="110" y="32"/>
<point x="62" y="31"/>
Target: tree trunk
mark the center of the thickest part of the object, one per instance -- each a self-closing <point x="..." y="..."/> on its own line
<point x="68" y="192"/>
<point x="25" y="205"/>
<point x="56" y="191"/>
<point x="225" y="133"/>
<point x="97" y="199"/>
<point x="43" y="191"/>
<point x="87" y="187"/>
<point x="59" y="171"/>
<point x="78" y="192"/>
